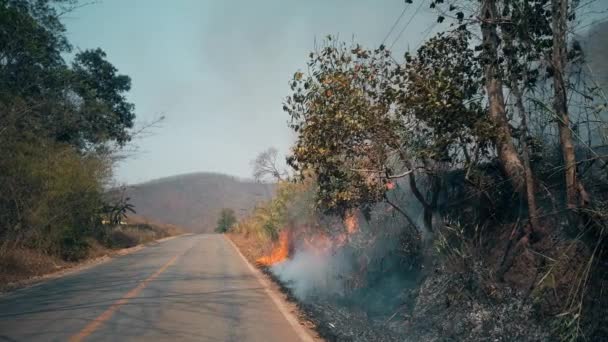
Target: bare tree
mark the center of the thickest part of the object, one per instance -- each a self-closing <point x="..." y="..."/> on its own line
<point x="266" y="165"/>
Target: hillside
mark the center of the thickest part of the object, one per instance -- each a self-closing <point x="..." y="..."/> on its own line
<point x="193" y="201"/>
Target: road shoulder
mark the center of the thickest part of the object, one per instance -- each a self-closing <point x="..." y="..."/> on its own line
<point x="303" y="327"/>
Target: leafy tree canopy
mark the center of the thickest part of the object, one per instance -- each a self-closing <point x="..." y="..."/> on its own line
<point x="344" y="120"/>
<point x="82" y="104"/>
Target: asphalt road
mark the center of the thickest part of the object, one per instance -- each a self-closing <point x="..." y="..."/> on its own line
<point x="192" y="287"/>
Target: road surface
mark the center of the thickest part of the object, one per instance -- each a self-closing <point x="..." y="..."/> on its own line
<point x="193" y="287"/>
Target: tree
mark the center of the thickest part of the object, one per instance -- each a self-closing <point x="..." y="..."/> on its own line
<point x="266" y="166"/>
<point x="117" y="210"/>
<point x="507" y="154"/>
<point x="363" y="121"/>
<point x="523" y="39"/>
<point x="82" y="104"/>
<point x="440" y="104"/>
<point x="346" y="125"/>
<point x="574" y="189"/>
<point x="32" y="39"/>
<point x="226" y="220"/>
<point x="58" y="122"/>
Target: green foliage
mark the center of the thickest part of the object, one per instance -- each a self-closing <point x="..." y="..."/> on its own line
<point x="117" y="211"/>
<point x="31" y="41"/>
<point x="101" y="91"/>
<point x="342" y="115"/>
<point x="57" y="124"/>
<point x="362" y="119"/>
<point x="442" y="99"/>
<point x="467" y="118"/>
<point x="55" y="195"/>
<point x="226" y="221"/>
<point x="83" y="105"/>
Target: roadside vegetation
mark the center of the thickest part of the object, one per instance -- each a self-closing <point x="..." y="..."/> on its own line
<point x="64" y="118"/>
<point x="459" y="194"/>
<point x="226" y="220"/>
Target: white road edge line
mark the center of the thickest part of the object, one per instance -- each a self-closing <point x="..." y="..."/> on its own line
<point x="293" y="321"/>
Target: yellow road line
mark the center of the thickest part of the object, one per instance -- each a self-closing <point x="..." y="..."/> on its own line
<point x="106" y="315"/>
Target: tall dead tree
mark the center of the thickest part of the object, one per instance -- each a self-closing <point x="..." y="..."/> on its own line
<point x="266" y="166"/>
<point x="507" y="154"/>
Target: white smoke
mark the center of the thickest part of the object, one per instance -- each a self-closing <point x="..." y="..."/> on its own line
<point x="363" y="269"/>
<point x="309" y="272"/>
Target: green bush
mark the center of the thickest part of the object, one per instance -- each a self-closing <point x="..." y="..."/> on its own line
<point x="226" y="221"/>
<point x="73" y="248"/>
<point x="55" y="196"/>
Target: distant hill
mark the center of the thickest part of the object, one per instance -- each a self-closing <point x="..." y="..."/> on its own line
<point x="193" y="201"/>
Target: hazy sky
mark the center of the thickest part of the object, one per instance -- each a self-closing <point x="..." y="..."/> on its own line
<point x="219" y="70"/>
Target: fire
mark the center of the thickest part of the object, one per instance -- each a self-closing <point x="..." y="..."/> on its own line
<point x="319" y="243"/>
<point x="312" y="240"/>
<point x="390" y="186"/>
<point x="279" y="253"/>
<point x="351" y="223"/>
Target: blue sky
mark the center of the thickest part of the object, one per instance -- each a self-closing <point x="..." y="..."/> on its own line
<point x="218" y="69"/>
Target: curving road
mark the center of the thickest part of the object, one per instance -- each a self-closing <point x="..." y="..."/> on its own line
<point x="191" y="288"/>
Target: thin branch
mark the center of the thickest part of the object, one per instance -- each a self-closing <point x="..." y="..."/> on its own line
<point x="401" y="175"/>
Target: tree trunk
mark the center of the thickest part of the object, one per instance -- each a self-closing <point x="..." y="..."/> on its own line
<point x="507" y="154"/>
<point x="530" y="187"/>
<point x="560" y="104"/>
<point x="428" y="207"/>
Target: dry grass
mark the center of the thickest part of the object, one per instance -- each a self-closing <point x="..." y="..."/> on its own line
<point x="21" y="265"/>
<point x="168" y="228"/>
<point x="251" y="248"/>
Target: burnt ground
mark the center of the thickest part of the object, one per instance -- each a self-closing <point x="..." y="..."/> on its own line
<point x="446" y="307"/>
<point x="336" y="319"/>
<point x="447" y="304"/>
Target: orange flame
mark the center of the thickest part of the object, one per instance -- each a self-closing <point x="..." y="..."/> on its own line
<point x="279" y="253"/>
<point x="351" y="223"/>
<point x="390" y="185"/>
<point x="313" y="240"/>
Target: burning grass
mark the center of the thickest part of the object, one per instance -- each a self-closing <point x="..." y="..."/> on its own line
<point x="338" y="272"/>
<point x="310" y="240"/>
<point x="357" y="282"/>
<point x="278" y="254"/>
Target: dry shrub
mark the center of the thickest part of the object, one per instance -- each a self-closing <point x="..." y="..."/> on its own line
<point x="55" y="197"/>
<point x="136" y="234"/>
<point x="252" y="249"/>
<point x="571" y="290"/>
<point x="22" y="263"/>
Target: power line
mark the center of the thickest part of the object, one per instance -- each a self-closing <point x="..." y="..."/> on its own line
<point x="395" y="24"/>
<point x="426" y="34"/>
<point x="407" y="24"/>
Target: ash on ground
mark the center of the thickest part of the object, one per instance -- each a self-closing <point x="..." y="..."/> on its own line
<point x="445" y="306"/>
